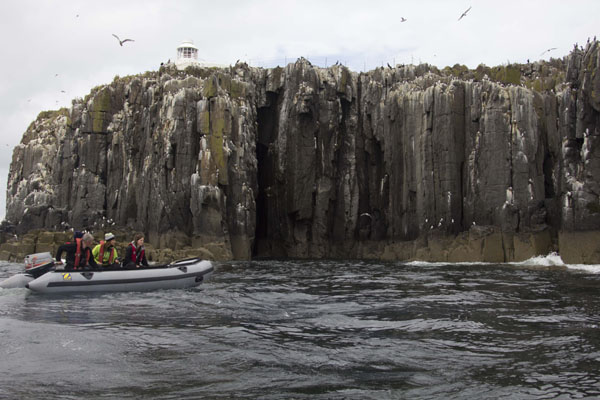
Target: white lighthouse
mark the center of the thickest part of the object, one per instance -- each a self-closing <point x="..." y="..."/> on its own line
<point x="187" y="54"/>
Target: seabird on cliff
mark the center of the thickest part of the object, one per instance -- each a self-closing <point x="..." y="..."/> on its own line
<point x="123" y="41"/>
<point x="464" y="14"/>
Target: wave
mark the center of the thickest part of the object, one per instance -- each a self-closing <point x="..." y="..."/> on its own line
<point x="417" y="263"/>
<point x="591" y="268"/>
<point x="554" y="259"/>
<point x="551" y="260"/>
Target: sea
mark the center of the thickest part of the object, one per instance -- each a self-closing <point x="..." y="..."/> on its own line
<point x="314" y="329"/>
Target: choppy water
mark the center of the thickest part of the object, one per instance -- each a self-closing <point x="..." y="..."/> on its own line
<point x="314" y="329"/>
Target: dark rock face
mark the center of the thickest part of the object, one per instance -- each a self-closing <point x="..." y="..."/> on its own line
<point x="310" y="162"/>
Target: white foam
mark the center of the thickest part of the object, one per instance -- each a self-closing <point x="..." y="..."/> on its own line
<point x="442" y="263"/>
<point x="550" y="260"/>
<point x="591" y="268"/>
<point x="553" y="259"/>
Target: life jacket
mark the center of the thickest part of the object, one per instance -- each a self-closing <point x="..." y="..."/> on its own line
<point x="111" y="257"/>
<point x="78" y="254"/>
<point x="134" y="255"/>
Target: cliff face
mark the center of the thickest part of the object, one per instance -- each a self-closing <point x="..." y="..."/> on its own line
<point x="312" y="162"/>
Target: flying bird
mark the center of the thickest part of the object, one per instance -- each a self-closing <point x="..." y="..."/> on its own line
<point x="545" y="51"/>
<point x="123" y="41"/>
<point x="464" y="14"/>
<point x="402" y="19"/>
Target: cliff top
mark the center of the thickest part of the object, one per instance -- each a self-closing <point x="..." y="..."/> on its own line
<point x="539" y="76"/>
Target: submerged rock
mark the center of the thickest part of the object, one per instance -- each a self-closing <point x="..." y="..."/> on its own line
<point x="305" y="161"/>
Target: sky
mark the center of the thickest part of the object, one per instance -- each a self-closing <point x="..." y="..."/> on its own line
<point x="58" y="50"/>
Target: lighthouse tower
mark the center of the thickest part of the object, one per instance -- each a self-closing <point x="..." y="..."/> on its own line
<point x="187" y="54"/>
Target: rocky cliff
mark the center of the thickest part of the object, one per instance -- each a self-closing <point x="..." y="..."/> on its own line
<point x="304" y="161"/>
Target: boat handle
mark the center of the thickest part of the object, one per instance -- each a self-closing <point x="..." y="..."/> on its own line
<point x="87" y="275"/>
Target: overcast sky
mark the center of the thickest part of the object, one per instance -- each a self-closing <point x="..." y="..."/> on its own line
<point x="57" y="50"/>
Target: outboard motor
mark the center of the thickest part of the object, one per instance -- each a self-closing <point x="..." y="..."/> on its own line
<point x="38" y="264"/>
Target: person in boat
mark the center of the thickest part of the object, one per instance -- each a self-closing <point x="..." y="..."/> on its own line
<point x="79" y="253"/>
<point x="135" y="254"/>
<point x="105" y="254"/>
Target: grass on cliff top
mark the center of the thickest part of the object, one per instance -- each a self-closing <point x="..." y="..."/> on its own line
<point x="120" y="80"/>
<point x="49" y="115"/>
<point x="538" y="76"/>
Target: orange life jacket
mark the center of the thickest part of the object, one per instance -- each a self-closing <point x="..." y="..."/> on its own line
<point x="78" y="254"/>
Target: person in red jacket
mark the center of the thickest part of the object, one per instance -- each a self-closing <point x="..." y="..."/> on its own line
<point x="79" y="253"/>
<point x="135" y="254"/>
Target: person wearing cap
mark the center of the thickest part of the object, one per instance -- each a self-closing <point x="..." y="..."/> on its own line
<point x="105" y="254"/>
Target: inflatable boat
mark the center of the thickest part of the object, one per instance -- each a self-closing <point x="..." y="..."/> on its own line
<point x="180" y="274"/>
